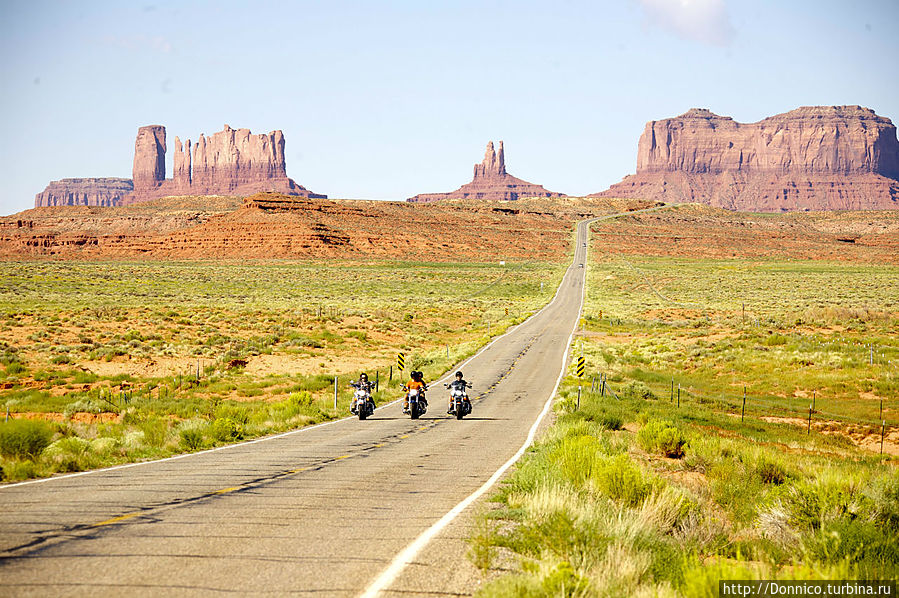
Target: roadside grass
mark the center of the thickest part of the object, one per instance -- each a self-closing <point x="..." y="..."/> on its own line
<point x="614" y="515"/>
<point x="137" y="360"/>
<point x="634" y="493"/>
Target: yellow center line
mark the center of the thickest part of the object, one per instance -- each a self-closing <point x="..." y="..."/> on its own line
<point x="404" y="436"/>
<point x="341" y="457"/>
<point x="116" y="519"/>
<point x="226" y="490"/>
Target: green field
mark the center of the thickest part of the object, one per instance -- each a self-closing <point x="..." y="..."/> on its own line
<point x="631" y="494"/>
<point x="123" y="361"/>
<point x="788" y="332"/>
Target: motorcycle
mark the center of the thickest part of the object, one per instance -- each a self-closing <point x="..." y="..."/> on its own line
<point x="362" y="405"/>
<point x="459" y="405"/>
<point x="418" y="405"/>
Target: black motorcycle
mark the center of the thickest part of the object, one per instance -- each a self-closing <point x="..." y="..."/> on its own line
<point x="460" y="406"/>
<point x="362" y="405"/>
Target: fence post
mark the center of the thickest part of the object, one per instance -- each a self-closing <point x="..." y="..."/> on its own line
<point x="335" y="393"/>
<point x="389" y="380"/>
<point x="883" y="425"/>
<point x="578" y="398"/>
<point x="743" y="412"/>
<point x="814" y="396"/>
<point x="672" y="390"/>
<point x="377" y="380"/>
<point x="678" y="396"/>
<point x="809" y="431"/>
<point x="602" y="390"/>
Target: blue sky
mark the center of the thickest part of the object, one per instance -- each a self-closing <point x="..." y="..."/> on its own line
<point x="387" y="99"/>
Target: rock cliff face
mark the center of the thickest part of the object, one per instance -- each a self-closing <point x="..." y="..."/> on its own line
<point x="812" y="158"/>
<point x="491" y="182"/>
<point x="84" y="192"/>
<point x="230" y="162"/>
<point x="149" y="158"/>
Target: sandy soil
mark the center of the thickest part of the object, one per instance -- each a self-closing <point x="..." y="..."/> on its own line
<point x="864" y="440"/>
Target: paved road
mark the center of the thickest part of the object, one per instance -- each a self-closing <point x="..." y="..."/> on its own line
<point x="318" y="512"/>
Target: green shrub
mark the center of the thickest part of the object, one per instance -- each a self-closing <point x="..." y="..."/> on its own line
<point x="620" y="479"/>
<point x="104" y="445"/>
<point x="155" y="430"/>
<point x="884" y="494"/>
<point x="575" y="457"/>
<point x="637" y="390"/>
<point x="18" y="470"/>
<point x="235" y="413"/>
<point x="770" y="472"/>
<point x="24" y="438"/>
<point x="86" y="405"/>
<point x="863" y="543"/>
<point x="609" y="416"/>
<point x="192" y="435"/>
<point x="662" y="437"/>
<point x="562" y="581"/>
<point x="225" y="429"/>
<point x="15" y="368"/>
<point x="69" y="454"/>
<point x="775" y="340"/>
<point x="809" y="504"/>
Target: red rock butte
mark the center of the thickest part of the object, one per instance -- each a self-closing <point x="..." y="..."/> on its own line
<point x="84" y="192"/>
<point x="491" y="182"/>
<point x="230" y="162"/>
<point x="812" y="158"/>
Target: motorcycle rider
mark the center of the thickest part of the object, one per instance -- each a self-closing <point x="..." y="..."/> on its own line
<point x="363" y="384"/>
<point x="416" y="382"/>
<point x="461" y="384"/>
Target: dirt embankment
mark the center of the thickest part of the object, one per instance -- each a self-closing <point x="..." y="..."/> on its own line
<point x="277" y="226"/>
<point x="693" y="230"/>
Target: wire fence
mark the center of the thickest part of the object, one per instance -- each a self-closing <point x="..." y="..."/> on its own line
<point x="748" y="405"/>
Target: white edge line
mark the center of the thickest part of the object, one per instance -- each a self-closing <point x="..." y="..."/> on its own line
<point x="399" y="563"/>
<point x="267" y="438"/>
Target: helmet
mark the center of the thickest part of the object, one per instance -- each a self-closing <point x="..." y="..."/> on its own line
<point x="416" y="374"/>
<point x="363" y="376"/>
<point x="458" y="374"/>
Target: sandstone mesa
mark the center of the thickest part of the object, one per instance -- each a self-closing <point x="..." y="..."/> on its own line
<point x="811" y="158"/>
<point x="85" y="192"/>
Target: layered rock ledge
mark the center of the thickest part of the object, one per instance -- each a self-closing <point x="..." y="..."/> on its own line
<point x="812" y="158"/>
<point x="84" y="192"/>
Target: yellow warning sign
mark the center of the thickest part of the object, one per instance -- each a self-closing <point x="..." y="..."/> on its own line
<point x="401" y="361"/>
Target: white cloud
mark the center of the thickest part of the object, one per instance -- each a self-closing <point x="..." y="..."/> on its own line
<point x="705" y="21"/>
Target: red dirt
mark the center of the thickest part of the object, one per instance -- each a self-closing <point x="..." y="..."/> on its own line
<point x="278" y="226"/>
<point x="693" y="230"/>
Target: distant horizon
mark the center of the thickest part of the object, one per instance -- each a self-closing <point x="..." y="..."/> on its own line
<point x="406" y="103"/>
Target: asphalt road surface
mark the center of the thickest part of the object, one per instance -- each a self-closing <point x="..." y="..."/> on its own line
<point x="320" y="511"/>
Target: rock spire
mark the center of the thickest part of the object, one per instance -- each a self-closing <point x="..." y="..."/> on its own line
<point x="491" y="182"/>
